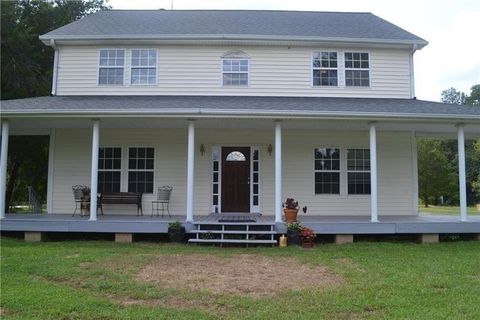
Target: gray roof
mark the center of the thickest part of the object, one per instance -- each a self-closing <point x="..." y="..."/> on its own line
<point x="234" y="24"/>
<point x="236" y="105"/>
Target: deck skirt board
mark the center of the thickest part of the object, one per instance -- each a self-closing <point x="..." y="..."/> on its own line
<point x="321" y="224"/>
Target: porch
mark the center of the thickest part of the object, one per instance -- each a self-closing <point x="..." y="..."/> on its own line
<point x="116" y="223"/>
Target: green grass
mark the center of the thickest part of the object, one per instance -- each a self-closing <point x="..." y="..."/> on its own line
<point x="447" y="210"/>
<point x="78" y="280"/>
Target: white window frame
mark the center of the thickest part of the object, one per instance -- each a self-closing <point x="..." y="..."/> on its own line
<point x="355" y="171"/>
<point x="111" y="67"/>
<point x="322" y="68"/>
<point x="128" y="170"/>
<point x="339" y="171"/>
<point x="255" y="208"/>
<point x="112" y="170"/>
<point x="143" y="67"/>
<point x="218" y="207"/>
<point x="345" y="69"/>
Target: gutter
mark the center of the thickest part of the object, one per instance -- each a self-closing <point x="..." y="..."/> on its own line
<point x="55" y="67"/>
<point x="245" y="37"/>
<point x="412" y="71"/>
<point x="231" y="113"/>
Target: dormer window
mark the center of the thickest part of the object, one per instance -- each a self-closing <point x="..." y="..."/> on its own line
<point x="235" y="69"/>
<point x="111" y="66"/>
<point x="357" y="69"/>
<point x="144" y="67"/>
<point x="325" y="69"/>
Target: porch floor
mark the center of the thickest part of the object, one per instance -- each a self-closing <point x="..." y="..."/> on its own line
<point x="110" y="223"/>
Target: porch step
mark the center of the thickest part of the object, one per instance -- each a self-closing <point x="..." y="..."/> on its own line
<point x="210" y="230"/>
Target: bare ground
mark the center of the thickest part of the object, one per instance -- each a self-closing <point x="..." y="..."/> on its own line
<point x="246" y="274"/>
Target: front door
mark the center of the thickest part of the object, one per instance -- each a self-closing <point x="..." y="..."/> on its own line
<point x="235" y="179"/>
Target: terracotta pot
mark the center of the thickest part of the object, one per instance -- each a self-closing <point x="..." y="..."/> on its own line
<point x="290" y="215"/>
<point x="478" y="207"/>
<point x="308" y="244"/>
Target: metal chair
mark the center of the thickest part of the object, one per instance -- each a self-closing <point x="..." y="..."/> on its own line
<point x="81" y="195"/>
<point x="163" y="198"/>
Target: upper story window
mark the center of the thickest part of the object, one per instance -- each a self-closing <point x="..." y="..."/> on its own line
<point x="235" y="69"/>
<point x="111" y="66"/>
<point x="144" y="66"/>
<point x="325" y="69"/>
<point x="357" y="69"/>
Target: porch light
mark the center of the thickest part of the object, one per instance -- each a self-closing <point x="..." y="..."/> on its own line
<point x="270" y="149"/>
<point x="202" y="149"/>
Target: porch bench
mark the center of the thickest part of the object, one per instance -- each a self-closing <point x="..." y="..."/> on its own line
<point x="123" y="198"/>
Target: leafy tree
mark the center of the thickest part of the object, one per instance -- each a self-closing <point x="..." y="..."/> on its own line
<point x="26" y="71"/>
<point x="453" y="96"/>
<point x="474" y="97"/>
<point x="436" y="174"/>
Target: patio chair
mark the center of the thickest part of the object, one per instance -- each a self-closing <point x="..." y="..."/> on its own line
<point x="163" y="198"/>
<point x="81" y="195"/>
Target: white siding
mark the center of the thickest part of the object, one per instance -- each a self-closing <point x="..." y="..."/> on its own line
<point x="196" y="70"/>
<point x="72" y="166"/>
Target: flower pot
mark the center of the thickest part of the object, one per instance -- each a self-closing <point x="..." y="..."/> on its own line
<point x="176" y="235"/>
<point x="290" y="215"/>
<point x="308" y="244"/>
<point x="293" y="238"/>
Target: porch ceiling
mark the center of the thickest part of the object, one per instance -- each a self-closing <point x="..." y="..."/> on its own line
<point x="443" y="129"/>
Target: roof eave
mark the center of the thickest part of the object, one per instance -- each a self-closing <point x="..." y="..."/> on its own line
<point x="46" y="39"/>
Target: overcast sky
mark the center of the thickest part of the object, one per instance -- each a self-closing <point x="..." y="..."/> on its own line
<point x="452" y="58"/>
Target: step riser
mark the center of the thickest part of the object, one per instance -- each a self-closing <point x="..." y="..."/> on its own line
<point x="233" y="233"/>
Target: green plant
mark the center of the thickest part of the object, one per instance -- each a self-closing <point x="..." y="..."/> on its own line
<point x="175" y="225"/>
<point x="294" y="226"/>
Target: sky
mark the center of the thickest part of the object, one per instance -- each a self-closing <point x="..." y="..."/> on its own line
<point x="452" y="28"/>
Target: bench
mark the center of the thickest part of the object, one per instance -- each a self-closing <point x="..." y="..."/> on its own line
<point x="123" y="198"/>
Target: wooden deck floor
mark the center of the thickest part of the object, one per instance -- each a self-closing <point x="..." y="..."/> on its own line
<point x="321" y="224"/>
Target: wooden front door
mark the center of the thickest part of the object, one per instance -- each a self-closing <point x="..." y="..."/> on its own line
<point x="235" y="179"/>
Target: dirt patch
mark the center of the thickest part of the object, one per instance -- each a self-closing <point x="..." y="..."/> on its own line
<point x="245" y="274"/>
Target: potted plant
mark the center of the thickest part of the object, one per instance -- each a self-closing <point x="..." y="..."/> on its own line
<point x="176" y="232"/>
<point x="308" y="237"/>
<point x="293" y="229"/>
<point x="290" y="209"/>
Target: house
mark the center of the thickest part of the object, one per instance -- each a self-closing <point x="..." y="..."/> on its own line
<point x="236" y="111"/>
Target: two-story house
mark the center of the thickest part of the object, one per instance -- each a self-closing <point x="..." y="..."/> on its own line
<point x="236" y="111"/>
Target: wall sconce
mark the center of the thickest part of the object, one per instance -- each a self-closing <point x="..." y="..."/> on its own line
<point x="202" y="149"/>
<point x="270" y="149"/>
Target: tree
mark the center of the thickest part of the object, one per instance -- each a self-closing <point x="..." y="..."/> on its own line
<point x="474" y="97"/>
<point x="453" y="96"/>
<point x="436" y="174"/>
<point x="26" y="71"/>
<point x="26" y="63"/>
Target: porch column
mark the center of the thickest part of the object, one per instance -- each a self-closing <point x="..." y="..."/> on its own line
<point x="461" y="172"/>
<point x="3" y="167"/>
<point x="373" y="173"/>
<point x="190" y="169"/>
<point x="278" y="171"/>
<point x="94" y="174"/>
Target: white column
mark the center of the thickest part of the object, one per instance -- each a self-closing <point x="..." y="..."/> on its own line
<point x="461" y="172"/>
<point x="278" y="171"/>
<point x="190" y="169"/>
<point x="94" y="174"/>
<point x="373" y="172"/>
<point x="3" y="168"/>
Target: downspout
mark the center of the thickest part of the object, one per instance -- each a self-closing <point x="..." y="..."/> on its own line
<point x="412" y="72"/>
<point x="55" y="67"/>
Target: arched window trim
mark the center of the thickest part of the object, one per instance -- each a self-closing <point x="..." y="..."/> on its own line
<point x="235" y="54"/>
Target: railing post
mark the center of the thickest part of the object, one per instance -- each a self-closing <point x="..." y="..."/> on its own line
<point x="94" y="173"/>
<point x="3" y="167"/>
<point x="461" y="172"/>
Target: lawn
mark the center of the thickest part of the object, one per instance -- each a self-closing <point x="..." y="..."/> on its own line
<point x="100" y="280"/>
<point x="447" y="210"/>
